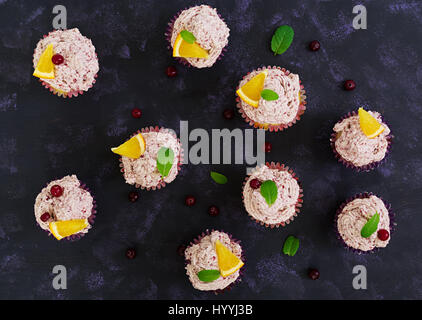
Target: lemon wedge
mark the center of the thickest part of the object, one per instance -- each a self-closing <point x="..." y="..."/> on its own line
<point x="250" y="92"/>
<point x="184" y="49"/>
<point x="369" y="125"/>
<point x="63" y="229"/>
<point x="133" y="148"/>
<point x="228" y="263"/>
<point x="45" y="66"/>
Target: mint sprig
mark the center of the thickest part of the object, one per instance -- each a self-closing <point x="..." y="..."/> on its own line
<point x="165" y="158"/>
<point x="371" y="226"/>
<point x="282" y="39"/>
<point x="218" y="177"/>
<point x="291" y="245"/>
<point x="269" y="191"/>
<point x="188" y="36"/>
<point x="269" y="95"/>
<point x="208" y="275"/>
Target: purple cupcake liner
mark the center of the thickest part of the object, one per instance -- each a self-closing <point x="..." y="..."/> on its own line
<point x="162" y="183"/>
<point x="91" y="218"/>
<point x="169" y="32"/>
<point x="299" y="203"/>
<point x="363" y="196"/>
<point x="348" y="164"/>
<point x="273" y="127"/>
<point x="242" y="257"/>
<point x="59" y="93"/>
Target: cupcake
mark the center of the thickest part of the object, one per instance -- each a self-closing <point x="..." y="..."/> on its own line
<point x="65" y="208"/>
<point x="361" y="140"/>
<point x="272" y="195"/>
<point x="271" y="98"/>
<point x="66" y="63"/>
<point x="214" y="261"/>
<point x="151" y="158"/>
<point x="198" y="36"/>
<point x="357" y="225"/>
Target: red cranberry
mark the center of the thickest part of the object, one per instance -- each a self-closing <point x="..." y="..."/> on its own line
<point x="133" y="196"/>
<point x="190" y="200"/>
<point x="349" y="85"/>
<point x="268" y="147"/>
<point x="313" y="274"/>
<point x="228" y="114"/>
<point x="171" y="72"/>
<point x="57" y="59"/>
<point x="136" y="113"/>
<point x="314" y="45"/>
<point x="213" y="211"/>
<point x="181" y="250"/>
<point x="56" y="191"/>
<point x="383" y="235"/>
<point x="45" y="216"/>
<point x="131" y="253"/>
<point x="255" y="183"/>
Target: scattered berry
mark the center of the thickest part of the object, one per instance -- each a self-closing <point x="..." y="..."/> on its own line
<point x="136" y="113"/>
<point x="213" y="211"/>
<point x="45" y="216"/>
<point x="349" y="85"/>
<point x="181" y="250"/>
<point x="228" y="114"/>
<point x="268" y="147"/>
<point x="171" y="72"/>
<point x="313" y="274"/>
<point x="314" y="45"/>
<point x="56" y="191"/>
<point x="255" y="183"/>
<point x="383" y="235"/>
<point x="57" y="59"/>
<point x="190" y="200"/>
<point x="131" y="253"/>
<point x="133" y="196"/>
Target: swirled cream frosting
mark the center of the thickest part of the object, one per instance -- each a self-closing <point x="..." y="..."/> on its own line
<point x="354" y="146"/>
<point x="209" y="29"/>
<point x="355" y="215"/>
<point x="285" y="205"/>
<point x="202" y="256"/>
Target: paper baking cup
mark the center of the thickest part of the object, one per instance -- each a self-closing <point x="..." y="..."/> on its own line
<point x="349" y="164"/>
<point x="60" y="93"/>
<point x="241" y="270"/>
<point x="299" y="202"/>
<point x="169" y="32"/>
<point x="363" y="196"/>
<point x="91" y="218"/>
<point x="161" y="184"/>
<point x="267" y="126"/>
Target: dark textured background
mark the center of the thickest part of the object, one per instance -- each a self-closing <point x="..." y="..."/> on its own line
<point x="43" y="137"/>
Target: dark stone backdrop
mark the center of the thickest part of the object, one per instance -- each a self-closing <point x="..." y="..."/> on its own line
<point x="43" y="137"/>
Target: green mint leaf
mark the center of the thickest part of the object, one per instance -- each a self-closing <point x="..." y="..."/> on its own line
<point x="208" y="275"/>
<point x="291" y="245"/>
<point x="218" y="177"/>
<point x="269" y="192"/>
<point x="269" y="95"/>
<point x="282" y="39"/>
<point x="188" y="36"/>
<point x="165" y="159"/>
<point x="371" y="226"/>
